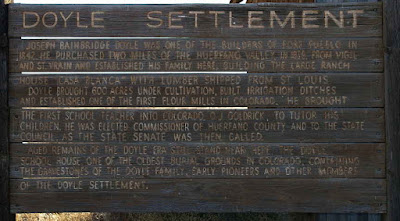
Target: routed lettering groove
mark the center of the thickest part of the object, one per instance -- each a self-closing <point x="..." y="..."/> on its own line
<point x="189" y="54"/>
<point x="198" y="90"/>
<point x="217" y="195"/>
<point x="195" y="160"/>
<point x="236" y="126"/>
<point x="198" y="108"/>
<point x="277" y="20"/>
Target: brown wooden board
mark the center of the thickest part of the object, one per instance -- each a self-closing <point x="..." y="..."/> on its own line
<point x="59" y="48"/>
<point x="392" y="82"/>
<point x="217" y="195"/>
<point x="279" y="1"/>
<point x="205" y="54"/>
<point x="201" y="90"/>
<point x="235" y="126"/>
<point x="344" y="1"/>
<point x="176" y="20"/>
<point x="69" y="155"/>
<point x="197" y="160"/>
<point x="5" y="212"/>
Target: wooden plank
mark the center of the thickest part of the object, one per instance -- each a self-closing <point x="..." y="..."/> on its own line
<point x="200" y="195"/>
<point x="348" y="217"/>
<point x="188" y="54"/>
<point x="221" y="195"/>
<point x="3" y="79"/>
<point x="132" y="20"/>
<point x="279" y="1"/>
<point x="198" y="90"/>
<point x="174" y="160"/>
<point x="4" y="188"/>
<point x="344" y="1"/>
<point x="4" y="115"/>
<point x="239" y="43"/>
<point x="392" y="70"/>
<point x="392" y="128"/>
<point x="235" y="126"/>
<point x="335" y="216"/>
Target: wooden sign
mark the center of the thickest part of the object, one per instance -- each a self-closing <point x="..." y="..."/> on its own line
<point x="251" y="55"/>
<point x="199" y="90"/>
<point x="211" y="21"/>
<point x="198" y="108"/>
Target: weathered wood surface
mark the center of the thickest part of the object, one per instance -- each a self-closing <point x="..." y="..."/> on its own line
<point x="38" y="171"/>
<point x="392" y="70"/>
<point x="196" y="160"/>
<point x="346" y="217"/>
<point x="220" y="195"/>
<point x="58" y="48"/>
<point x="189" y="54"/>
<point x="5" y="213"/>
<point x="268" y="125"/>
<point x="279" y="1"/>
<point x="132" y="20"/>
<point x="198" y="90"/>
<point x="345" y="1"/>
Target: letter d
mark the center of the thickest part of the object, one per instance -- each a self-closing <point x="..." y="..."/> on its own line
<point x="24" y="19"/>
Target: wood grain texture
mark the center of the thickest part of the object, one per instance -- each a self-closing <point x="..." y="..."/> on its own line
<point x="5" y="188"/>
<point x="190" y="54"/>
<point x="348" y="217"/>
<point x="201" y="90"/>
<point x="128" y="20"/>
<point x="191" y="45"/>
<point x="335" y="216"/>
<point x="392" y="70"/>
<point x="235" y="126"/>
<point x="344" y="1"/>
<point x="202" y="194"/>
<point x="4" y="115"/>
<point x="223" y="160"/>
<point x="280" y="1"/>
<point x="250" y="195"/>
